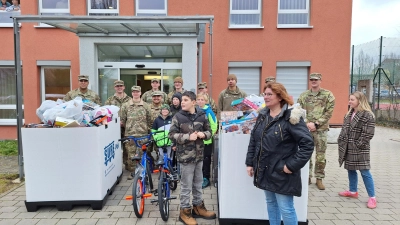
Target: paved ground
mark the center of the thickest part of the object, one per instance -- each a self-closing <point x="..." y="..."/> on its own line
<point x="324" y="207"/>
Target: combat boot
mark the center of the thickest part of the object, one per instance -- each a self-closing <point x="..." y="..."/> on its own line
<point x="185" y="216"/>
<point x="200" y="211"/>
<point x="320" y="185"/>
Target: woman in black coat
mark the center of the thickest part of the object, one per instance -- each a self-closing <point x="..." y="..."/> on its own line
<point x="280" y="145"/>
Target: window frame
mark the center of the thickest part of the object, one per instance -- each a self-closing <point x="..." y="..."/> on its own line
<point x="41" y="10"/>
<point x="8" y="122"/>
<point x="102" y="11"/>
<point x="150" y="11"/>
<point x="42" y="78"/>
<point x="294" y="11"/>
<point x="252" y="12"/>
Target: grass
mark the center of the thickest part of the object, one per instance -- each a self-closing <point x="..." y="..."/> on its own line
<point x="9" y="147"/>
<point x="6" y="182"/>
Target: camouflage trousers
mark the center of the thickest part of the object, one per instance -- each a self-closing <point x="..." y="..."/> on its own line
<point x="320" y="141"/>
<point x="131" y="151"/>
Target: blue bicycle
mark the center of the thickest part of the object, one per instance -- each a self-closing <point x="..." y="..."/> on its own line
<point x="168" y="180"/>
<point x="142" y="181"/>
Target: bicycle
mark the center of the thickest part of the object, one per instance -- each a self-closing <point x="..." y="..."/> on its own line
<point x="168" y="180"/>
<point x="142" y="181"/>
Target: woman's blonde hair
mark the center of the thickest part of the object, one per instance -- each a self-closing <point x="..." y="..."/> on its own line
<point x="363" y="104"/>
<point x="204" y="96"/>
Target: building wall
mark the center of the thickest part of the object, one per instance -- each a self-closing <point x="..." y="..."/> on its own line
<point x="326" y="46"/>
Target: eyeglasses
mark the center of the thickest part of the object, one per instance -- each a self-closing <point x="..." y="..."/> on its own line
<point x="119" y="85"/>
<point x="268" y="95"/>
<point x="200" y="88"/>
<point x="314" y="79"/>
<point x="83" y="81"/>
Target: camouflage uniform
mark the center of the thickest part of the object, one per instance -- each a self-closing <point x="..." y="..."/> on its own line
<point x="226" y="97"/>
<point x="147" y="97"/>
<point x="89" y="95"/>
<point x="115" y="100"/>
<point x="169" y="97"/>
<point x="319" y="107"/>
<point x="136" y="118"/>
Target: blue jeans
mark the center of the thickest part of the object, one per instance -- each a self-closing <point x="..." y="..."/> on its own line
<point x="367" y="178"/>
<point x="278" y="205"/>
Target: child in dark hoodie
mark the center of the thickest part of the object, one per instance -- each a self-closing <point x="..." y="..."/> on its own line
<point x="163" y="123"/>
<point x="176" y="103"/>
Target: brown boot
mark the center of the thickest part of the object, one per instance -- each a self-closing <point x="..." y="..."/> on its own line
<point x="185" y="216"/>
<point x="320" y="185"/>
<point x="200" y="211"/>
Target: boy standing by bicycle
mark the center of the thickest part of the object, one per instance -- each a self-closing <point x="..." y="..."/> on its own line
<point x="189" y="129"/>
<point x="162" y="123"/>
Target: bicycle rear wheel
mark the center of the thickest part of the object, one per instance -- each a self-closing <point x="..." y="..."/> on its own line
<point x="137" y="196"/>
<point x="163" y="202"/>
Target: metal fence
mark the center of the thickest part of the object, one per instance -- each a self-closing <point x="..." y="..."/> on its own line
<point x="379" y="61"/>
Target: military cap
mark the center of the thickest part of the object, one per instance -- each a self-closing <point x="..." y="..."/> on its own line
<point x="202" y="85"/>
<point x="119" y="82"/>
<point x="156" y="80"/>
<point x="156" y="93"/>
<point x="136" y="88"/>
<point x="83" y="77"/>
<point x="317" y="76"/>
<point x="270" y="79"/>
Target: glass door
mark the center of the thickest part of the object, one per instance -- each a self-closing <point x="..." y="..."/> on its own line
<point x="106" y="82"/>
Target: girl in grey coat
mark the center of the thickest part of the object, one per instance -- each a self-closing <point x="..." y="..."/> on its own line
<point x="354" y="146"/>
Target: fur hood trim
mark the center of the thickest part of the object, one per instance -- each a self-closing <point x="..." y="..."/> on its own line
<point x="292" y="113"/>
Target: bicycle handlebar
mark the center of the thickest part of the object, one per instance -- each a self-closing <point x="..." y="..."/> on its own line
<point x="136" y="139"/>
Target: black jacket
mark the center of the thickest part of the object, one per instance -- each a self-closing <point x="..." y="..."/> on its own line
<point x="285" y="140"/>
<point x="184" y="124"/>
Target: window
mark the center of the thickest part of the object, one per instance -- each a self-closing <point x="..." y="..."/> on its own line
<point x="8" y="99"/>
<point x="56" y="82"/>
<point x="103" y="7"/>
<point x="6" y="16"/>
<point x="295" y="79"/>
<point x="248" y="79"/>
<point x="54" y="7"/>
<point x="245" y="13"/>
<point x="293" y="13"/>
<point x="151" y="8"/>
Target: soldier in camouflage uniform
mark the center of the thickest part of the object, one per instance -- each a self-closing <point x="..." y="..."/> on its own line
<point x="229" y="94"/>
<point x="119" y="98"/>
<point x="319" y="104"/>
<point x="178" y="83"/>
<point x="137" y="120"/>
<point x="189" y="129"/>
<point x="202" y="88"/>
<point x="155" y="112"/>
<point x="83" y="91"/>
<point x="147" y="96"/>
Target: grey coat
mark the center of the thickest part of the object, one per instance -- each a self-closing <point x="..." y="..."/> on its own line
<point x="354" y="141"/>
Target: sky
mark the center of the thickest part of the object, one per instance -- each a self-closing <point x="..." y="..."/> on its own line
<point x="375" y="18"/>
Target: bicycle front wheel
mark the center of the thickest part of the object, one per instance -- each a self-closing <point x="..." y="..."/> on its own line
<point x="137" y="196"/>
<point x="163" y="202"/>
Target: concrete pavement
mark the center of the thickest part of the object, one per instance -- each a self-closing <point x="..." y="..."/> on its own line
<point x="324" y="207"/>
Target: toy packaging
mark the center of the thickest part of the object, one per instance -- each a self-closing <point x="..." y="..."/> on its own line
<point x="239" y="126"/>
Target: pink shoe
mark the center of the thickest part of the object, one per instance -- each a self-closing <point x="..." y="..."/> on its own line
<point x="348" y="194"/>
<point x="371" y="203"/>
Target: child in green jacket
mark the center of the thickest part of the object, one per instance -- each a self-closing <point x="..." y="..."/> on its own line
<point x="202" y="102"/>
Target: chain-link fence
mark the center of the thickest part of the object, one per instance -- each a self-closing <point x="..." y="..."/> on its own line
<point x="376" y="71"/>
